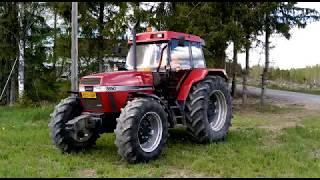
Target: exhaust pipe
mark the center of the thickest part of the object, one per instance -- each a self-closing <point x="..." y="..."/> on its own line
<point x="134" y="44"/>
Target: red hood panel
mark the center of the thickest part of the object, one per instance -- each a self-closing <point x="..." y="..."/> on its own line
<point x="124" y="78"/>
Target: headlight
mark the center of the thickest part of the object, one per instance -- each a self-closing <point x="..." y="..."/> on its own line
<point x="81" y="89"/>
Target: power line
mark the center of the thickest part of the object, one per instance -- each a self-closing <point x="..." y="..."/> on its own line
<point x="193" y="9"/>
<point x="14" y="64"/>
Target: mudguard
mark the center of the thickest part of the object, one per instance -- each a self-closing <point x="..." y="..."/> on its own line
<point x="195" y="76"/>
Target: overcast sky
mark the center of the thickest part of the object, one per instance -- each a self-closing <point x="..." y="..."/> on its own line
<point x="303" y="48"/>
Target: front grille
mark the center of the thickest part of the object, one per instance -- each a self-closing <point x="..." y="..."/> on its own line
<point x="92" y="104"/>
<point x="90" y="81"/>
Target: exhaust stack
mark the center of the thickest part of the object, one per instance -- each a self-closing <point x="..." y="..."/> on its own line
<point x="134" y="44"/>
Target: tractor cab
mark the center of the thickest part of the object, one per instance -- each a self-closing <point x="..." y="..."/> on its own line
<point x="158" y="51"/>
<point x="170" y="56"/>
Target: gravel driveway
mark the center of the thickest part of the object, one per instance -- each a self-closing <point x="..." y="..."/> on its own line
<point x="309" y="100"/>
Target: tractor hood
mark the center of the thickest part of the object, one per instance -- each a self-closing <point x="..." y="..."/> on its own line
<point x="118" y="78"/>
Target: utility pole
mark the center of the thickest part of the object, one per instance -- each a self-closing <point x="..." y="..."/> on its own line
<point x="21" y="50"/>
<point x="74" y="47"/>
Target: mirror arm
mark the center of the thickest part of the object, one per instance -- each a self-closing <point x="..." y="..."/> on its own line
<point x="161" y="57"/>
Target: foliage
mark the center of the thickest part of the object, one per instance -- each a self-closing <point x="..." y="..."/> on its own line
<point x="307" y="75"/>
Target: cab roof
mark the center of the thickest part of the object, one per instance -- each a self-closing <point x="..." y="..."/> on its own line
<point x="164" y="36"/>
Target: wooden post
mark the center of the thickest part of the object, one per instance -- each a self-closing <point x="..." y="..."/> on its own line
<point x="74" y="47"/>
<point x="21" y="50"/>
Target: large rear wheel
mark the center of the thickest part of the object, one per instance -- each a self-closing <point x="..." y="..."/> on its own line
<point x="142" y="130"/>
<point x="208" y="110"/>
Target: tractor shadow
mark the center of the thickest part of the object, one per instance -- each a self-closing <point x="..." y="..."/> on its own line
<point x="106" y="151"/>
<point x="179" y="135"/>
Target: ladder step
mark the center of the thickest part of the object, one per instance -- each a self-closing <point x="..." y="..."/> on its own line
<point x="175" y="107"/>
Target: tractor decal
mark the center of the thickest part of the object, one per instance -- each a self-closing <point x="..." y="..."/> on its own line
<point x="113" y="88"/>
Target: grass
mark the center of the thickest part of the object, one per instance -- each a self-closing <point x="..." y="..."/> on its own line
<point x="26" y="150"/>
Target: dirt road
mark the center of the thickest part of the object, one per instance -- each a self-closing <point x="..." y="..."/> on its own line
<point x="307" y="100"/>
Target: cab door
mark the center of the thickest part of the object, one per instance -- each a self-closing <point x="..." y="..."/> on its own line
<point x="180" y="66"/>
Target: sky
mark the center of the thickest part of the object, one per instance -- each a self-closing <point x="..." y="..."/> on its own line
<point x="301" y="50"/>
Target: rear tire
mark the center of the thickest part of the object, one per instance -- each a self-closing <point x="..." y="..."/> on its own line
<point x="66" y="110"/>
<point x="208" y="110"/>
<point x="142" y="130"/>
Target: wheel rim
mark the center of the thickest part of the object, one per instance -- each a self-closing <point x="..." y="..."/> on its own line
<point x="217" y="110"/>
<point x="150" y="131"/>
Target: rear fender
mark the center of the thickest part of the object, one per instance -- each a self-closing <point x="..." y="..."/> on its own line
<point x="218" y="72"/>
<point x="195" y="76"/>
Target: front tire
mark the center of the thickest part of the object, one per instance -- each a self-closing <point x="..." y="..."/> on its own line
<point x="66" y="110"/>
<point x="208" y="110"/>
<point x="142" y="130"/>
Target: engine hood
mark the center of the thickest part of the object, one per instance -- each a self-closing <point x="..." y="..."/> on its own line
<point x="119" y="78"/>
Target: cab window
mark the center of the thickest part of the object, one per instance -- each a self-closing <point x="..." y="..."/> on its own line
<point x="197" y="55"/>
<point x="180" y="55"/>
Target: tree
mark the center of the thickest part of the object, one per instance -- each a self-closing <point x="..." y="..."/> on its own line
<point x="280" y="17"/>
<point x="108" y="19"/>
<point x="251" y="29"/>
<point x="235" y="31"/>
<point x="8" y="49"/>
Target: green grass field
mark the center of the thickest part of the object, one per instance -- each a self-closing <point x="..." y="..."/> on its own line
<point x="249" y="151"/>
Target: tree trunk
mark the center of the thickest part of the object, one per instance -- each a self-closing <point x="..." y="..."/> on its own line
<point x="13" y="88"/>
<point x="220" y="58"/>
<point x="12" y="91"/>
<point x="7" y="95"/>
<point x="266" y="67"/>
<point x="100" y="38"/>
<point x="234" y="69"/>
<point x="8" y="88"/>
<point x="246" y="74"/>
<point x="21" y="50"/>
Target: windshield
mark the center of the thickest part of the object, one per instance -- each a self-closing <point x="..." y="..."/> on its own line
<point x="148" y="56"/>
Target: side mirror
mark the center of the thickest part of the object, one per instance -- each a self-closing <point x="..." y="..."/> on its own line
<point x="181" y="41"/>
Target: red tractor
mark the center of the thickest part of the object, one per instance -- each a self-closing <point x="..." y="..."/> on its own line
<point x="165" y="83"/>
